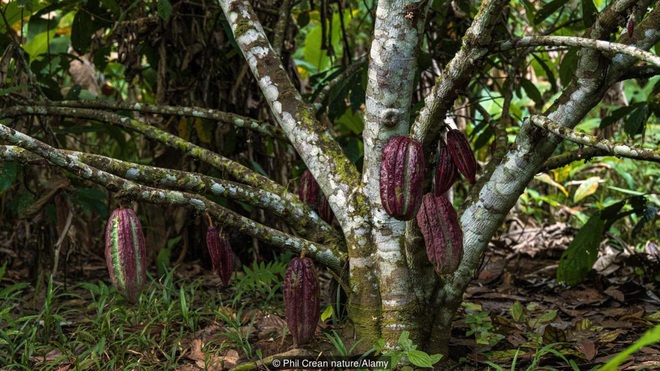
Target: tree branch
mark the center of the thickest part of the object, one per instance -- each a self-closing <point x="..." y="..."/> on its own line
<point x="611" y="147"/>
<point x="237" y="170"/>
<point x="299" y="217"/>
<point x="336" y="175"/>
<point x="457" y="73"/>
<point x="324" y="254"/>
<point x="601" y="45"/>
<point x="533" y="146"/>
<point x="204" y="113"/>
<point x="566" y="158"/>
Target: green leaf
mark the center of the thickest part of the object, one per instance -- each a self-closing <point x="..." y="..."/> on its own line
<point x="112" y="6"/>
<point x="163" y="261"/>
<point x="517" y="311"/>
<point x="617" y="115"/>
<point x="589" y="12"/>
<point x="419" y="358"/>
<point x="8" y="174"/>
<point x="649" y="338"/>
<point x="567" y="66"/>
<point x="327" y="313"/>
<point x="532" y="92"/>
<point x="547" y="179"/>
<point x="587" y="188"/>
<point x="548" y="10"/>
<point x="164" y="9"/>
<point x="634" y="123"/>
<point x="581" y="254"/>
<point x="303" y="19"/>
<point x="92" y="200"/>
<point x="530" y="11"/>
<point x="82" y="29"/>
<point x="204" y="129"/>
<point x="350" y="121"/>
<point x="548" y="73"/>
<point x="404" y="342"/>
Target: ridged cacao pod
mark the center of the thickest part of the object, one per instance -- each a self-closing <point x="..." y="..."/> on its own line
<point x="462" y="155"/>
<point x="324" y="210"/>
<point x="221" y="254"/>
<point x="443" y="236"/>
<point x="401" y="177"/>
<point x="126" y="254"/>
<point x="308" y="192"/>
<point x="445" y="171"/>
<point x="301" y="299"/>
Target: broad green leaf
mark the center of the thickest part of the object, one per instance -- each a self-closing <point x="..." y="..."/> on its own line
<point x="580" y="256"/>
<point x="38" y="45"/>
<point x="532" y="92"/>
<point x="634" y="123"/>
<point x="256" y="167"/>
<point x="184" y="128"/>
<point x="92" y="200"/>
<point x="8" y="173"/>
<point x="303" y="19"/>
<point x="327" y="313"/>
<point x="164" y="9"/>
<point x="81" y="31"/>
<point x="204" y="130"/>
<point x="589" y="12"/>
<point x="420" y="358"/>
<point x="517" y="312"/>
<point x="548" y="10"/>
<point x="548" y="316"/>
<point x="649" y="338"/>
<point x="545" y="178"/>
<point x="617" y="115"/>
<point x="587" y="188"/>
<point x="530" y="11"/>
<point x="548" y="73"/>
<point x="351" y="121"/>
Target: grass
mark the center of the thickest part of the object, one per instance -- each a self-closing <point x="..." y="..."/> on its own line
<point x="92" y="327"/>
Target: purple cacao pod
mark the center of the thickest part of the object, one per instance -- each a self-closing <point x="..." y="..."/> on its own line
<point x="324" y="210"/>
<point x="445" y="171"/>
<point x="308" y="192"/>
<point x="126" y="254"/>
<point x="402" y="177"/>
<point x="221" y="254"/>
<point x="461" y="153"/>
<point x="443" y="236"/>
<point x="301" y="299"/>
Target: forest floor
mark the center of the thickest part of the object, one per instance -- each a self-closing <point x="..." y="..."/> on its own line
<point x="515" y="313"/>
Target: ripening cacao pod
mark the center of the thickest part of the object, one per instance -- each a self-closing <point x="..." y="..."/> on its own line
<point x="401" y="177"/>
<point x="462" y="155"/>
<point x="443" y="237"/>
<point x="308" y="192"/>
<point x="301" y="299"/>
<point x="324" y="210"/>
<point x="445" y="171"/>
<point x="221" y="254"/>
<point x="125" y="253"/>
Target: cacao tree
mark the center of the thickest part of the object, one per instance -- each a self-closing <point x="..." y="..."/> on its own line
<point x="392" y="286"/>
